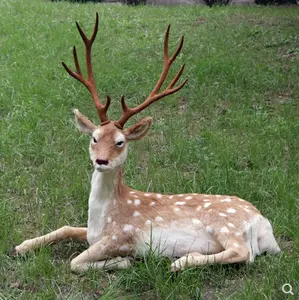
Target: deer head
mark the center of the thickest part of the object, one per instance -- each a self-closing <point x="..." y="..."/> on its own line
<point x="108" y="145"/>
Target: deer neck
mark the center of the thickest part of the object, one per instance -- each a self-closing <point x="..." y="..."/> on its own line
<point x="106" y="189"/>
<point x="107" y="186"/>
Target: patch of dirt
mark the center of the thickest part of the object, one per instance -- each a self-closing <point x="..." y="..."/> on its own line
<point x="286" y="244"/>
<point x="278" y="98"/>
<point x="292" y="54"/>
<point x="24" y="287"/>
<point x="222" y="107"/>
<point x="182" y="105"/>
<point x="200" y="21"/>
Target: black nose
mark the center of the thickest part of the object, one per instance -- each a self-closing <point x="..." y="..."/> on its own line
<point x="102" y="162"/>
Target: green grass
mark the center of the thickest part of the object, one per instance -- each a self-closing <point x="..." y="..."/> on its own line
<point x="232" y="130"/>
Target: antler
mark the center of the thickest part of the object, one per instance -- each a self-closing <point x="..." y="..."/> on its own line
<point x="89" y="82"/>
<point x="155" y="95"/>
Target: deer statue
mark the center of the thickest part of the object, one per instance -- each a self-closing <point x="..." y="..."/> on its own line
<point x="195" y="229"/>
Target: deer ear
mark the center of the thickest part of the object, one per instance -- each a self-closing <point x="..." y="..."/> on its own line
<point x="83" y="123"/>
<point x="139" y="130"/>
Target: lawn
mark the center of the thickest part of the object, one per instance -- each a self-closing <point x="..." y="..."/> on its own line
<point x="233" y="129"/>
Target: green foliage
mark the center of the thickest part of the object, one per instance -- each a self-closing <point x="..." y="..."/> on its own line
<point x="232" y="130"/>
<point x="279" y="2"/>
<point x="133" y="2"/>
<point x="129" y="2"/>
<point x="79" y="1"/>
<point x="210" y="3"/>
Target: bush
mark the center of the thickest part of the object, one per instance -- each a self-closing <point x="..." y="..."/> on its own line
<point x="210" y="3"/>
<point x="278" y="2"/>
<point x="129" y="2"/>
<point x="134" y="2"/>
<point x="78" y="1"/>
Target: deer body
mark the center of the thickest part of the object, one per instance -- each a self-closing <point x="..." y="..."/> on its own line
<point x="175" y="225"/>
<point x="138" y="214"/>
<point x="123" y="223"/>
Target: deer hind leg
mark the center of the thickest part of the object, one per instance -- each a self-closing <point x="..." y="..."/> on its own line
<point x="102" y="255"/>
<point x="234" y="252"/>
<point x="65" y="232"/>
<point x="266" y="239"/>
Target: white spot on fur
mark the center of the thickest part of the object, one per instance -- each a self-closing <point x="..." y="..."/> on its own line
<point x="231" y="225"/>
<point x="236" y="244"/>
<point x="132" y="192"/>
<point x="159" y="196"/>
<point x="159" y="219"/>
<point x="206" y="200"/>
<point x="180" y="195"/>
<point x="217" y="196"/>
<point x="231" y="210"/>
<point x="109" y="219"/>
<point x="137" y="202"/>
<point x="238" y="233"/>
<point x="246" y="209"/>
<point x="136" y="214"/>
<point x="177" y="209"/>
<point x="153" y="203"/>
<point x="196" y="221"/>
<point x="222" y="215"/>
<point x="147" y="194"/>
<point x="199" y="208"/>
<point x="170" y="197"/>
<point x="148" y="222"/>
<point x="114" y="237"/>
<point x="209" y="229"/>
<point x="241" y="200"/>
<point x="124" y="248"/>
<point x="226" y="200"/>
<point x="207" y="205"/>
<point x="129" y="201"/>
<point x="128" y="228"/>
<point x="180" y="203"/>
<point x="224" y="230"/>
<point x="188" y="198"/>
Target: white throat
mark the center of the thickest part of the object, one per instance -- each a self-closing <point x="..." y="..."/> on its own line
<point x="100" y="199"/>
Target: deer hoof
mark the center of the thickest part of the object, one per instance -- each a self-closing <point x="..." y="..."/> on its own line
<point x="11" y="252"/>
<point x="179" y="264"/>
<point x="22" y="248"/>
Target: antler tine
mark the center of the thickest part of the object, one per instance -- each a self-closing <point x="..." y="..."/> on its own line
<point x="155" y="95"/>
<point x="89" y="82"/>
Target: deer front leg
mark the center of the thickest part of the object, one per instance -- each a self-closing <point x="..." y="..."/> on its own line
<point x="105" y="254"/>
<point x="63" y="233"/>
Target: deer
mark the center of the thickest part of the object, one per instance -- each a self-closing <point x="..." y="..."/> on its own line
<point x="191" y="229"/>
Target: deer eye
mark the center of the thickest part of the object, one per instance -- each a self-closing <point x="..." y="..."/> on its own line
<point x="120" y="144"/>
<point x="94" y="140"/>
